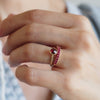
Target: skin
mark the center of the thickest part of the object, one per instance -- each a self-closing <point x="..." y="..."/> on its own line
<point x="78" y="67"/>
<point x="11" y="7"/>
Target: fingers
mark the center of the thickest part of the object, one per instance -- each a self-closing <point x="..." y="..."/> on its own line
<point x="38" y="16"/>
<point x="37" y="33"/>
<point x="37" y="53"/>
<point x="34" y="77"/>
<point x="47" y="35"/>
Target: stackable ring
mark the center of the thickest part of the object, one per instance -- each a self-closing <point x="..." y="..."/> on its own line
<point x="55" y="52"/>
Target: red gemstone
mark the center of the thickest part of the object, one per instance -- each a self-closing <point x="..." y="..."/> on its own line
<point x="53" y="51"/>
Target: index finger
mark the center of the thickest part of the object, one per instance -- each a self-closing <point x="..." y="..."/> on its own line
<point x="10" y="25"/>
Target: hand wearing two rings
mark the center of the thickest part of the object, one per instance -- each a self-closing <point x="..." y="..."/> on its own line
<point x="31" y="36"/>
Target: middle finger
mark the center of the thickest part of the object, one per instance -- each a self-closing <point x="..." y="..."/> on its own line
<point x="64" y="20"/>
<point x="37" y="33"/>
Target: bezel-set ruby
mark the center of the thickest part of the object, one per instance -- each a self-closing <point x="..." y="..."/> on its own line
<point x="53" y="51"/>
<point x="55" y="55"/>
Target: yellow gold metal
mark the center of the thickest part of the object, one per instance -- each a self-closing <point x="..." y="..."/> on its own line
<point x="52" y="59"/>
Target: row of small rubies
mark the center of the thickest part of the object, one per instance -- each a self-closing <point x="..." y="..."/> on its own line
<point x="57" y="56"/>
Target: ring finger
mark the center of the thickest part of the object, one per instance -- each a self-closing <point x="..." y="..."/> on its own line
<point x="31" y="52"/>
<point x="38" y="53"/>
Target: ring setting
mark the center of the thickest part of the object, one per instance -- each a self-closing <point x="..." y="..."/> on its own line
<point x="55" y="52"/>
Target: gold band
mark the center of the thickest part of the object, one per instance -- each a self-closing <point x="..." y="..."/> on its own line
<point x="52" y="59"/>
<point x="53" y="53"/>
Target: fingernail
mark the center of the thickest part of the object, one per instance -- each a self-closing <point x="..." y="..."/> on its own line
<point x="10" y="15"/>
<point x="4" y="50"/>
<point x="20" y="72"/>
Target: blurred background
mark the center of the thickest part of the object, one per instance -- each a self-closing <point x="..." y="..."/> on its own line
<point x="94" y="2"/>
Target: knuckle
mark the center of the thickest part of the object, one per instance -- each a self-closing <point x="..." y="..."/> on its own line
<point x="71" y="84"/>
<point x="87" y="42"/>
<point x="83" y="21"/>
<point x="77" y="60"/>
<point x="68" y="82"/>
<point x="82" y="17"/>
<point x="31" y="31"/>
<point x="28" y="32"/>
<point x="74" y="59"/>
<point x="85" y="39"/>
<point x="32" y="77"/>
<point x="34" y="14"/>
<point x="27" y="52"/>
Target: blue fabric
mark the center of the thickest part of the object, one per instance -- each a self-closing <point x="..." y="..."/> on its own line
<point x="11" y="86"/>
<point x="12" y="89"/>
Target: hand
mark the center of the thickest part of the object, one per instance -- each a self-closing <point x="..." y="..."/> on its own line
<point x="32" y="34"/>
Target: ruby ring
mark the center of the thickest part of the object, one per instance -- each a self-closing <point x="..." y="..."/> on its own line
<point x="55" y="52"/>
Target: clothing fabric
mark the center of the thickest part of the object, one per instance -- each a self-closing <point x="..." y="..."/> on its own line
<point x="9" y="87"/>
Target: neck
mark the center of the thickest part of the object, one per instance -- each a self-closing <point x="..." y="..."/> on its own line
<point x="58" y="5"/>
<point x="18" y="6"/>
<point x="51" y="5"/>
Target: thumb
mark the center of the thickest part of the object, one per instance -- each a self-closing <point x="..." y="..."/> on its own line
<point x="34" y="77"/>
